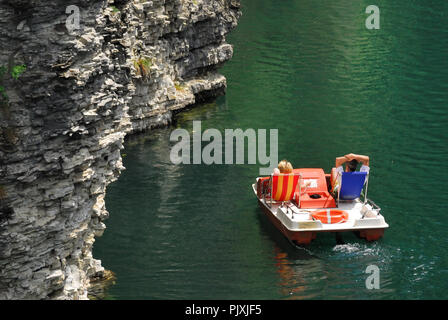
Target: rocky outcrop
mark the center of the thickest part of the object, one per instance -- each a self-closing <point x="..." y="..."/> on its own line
<point x="126" y="67"/>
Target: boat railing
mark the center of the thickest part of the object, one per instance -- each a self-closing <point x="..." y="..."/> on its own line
<point x="299" y="183"/>
<point x="367" y="186"/>
<point x="373" y="205"/>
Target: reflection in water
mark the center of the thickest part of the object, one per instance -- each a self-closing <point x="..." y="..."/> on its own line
<point x="164" y="179"/>
<point x="305" y="276"/>
<point x="295" y="277"/>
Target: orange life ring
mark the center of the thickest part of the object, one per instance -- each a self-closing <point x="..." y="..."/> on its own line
<point x="330" y="216"/>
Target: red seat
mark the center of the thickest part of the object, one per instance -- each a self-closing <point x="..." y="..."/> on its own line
<point x="318" y="187"/>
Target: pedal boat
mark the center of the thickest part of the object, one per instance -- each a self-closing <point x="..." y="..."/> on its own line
<point x="300" y="213"/>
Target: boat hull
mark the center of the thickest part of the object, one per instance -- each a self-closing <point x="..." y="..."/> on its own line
<point x="299" y="237"/>
<point x="304" y="231"/>
<point x="305" y="237"/>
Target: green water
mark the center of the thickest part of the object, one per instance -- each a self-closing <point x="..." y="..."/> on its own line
<point x="312" y="70"/>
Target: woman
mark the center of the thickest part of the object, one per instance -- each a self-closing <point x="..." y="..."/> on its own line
<point x="285" y="167"/>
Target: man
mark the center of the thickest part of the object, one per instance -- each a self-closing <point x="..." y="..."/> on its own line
<point x="351" y="161"/>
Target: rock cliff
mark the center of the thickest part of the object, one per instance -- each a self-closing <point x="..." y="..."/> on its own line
<point x="75" y="78"/>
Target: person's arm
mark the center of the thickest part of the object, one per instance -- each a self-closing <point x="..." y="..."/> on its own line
<point x="340" y="161"/>
<point x="361" y="158"/>
<point x="333" y="177"/>
<point x="305" y="184"/>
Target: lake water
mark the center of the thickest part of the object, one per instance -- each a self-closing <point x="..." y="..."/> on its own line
<point x="331" y="87"/>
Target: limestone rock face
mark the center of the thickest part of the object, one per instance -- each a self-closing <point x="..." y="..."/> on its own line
<point x="95" y="70"/>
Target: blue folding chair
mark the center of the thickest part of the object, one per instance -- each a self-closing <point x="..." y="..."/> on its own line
<point x="352" y="184"/>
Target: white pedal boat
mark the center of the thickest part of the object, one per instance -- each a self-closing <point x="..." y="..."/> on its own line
<point x="301" y="213"/>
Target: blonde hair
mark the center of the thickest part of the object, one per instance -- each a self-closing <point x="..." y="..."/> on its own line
<point x="285" y="166"/>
